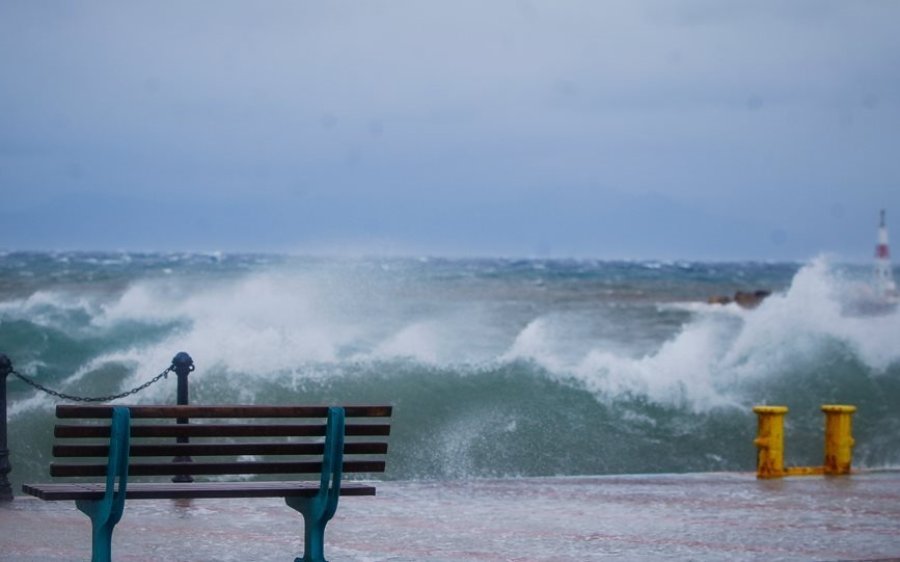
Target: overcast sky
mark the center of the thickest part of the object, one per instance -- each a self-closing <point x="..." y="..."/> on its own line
<point x="698" y="129"/>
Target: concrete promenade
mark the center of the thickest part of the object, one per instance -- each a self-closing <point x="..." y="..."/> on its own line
<point x="713" y="516"/>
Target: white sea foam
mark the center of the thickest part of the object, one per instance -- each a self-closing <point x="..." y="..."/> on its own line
<point x="49" y="308"/>
<point x="440" y="335"/>
<point x="721" y="346"/>
<point x="295" y="326"/>
<point x="681" y="370"/>
<point x="289" y="322"/>
<point x="419" y="341"/>
<point x="795" y="325"/>
<point x="260" y="323"/>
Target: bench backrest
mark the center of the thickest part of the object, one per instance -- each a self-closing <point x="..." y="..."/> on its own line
<point x="226" y="440"/>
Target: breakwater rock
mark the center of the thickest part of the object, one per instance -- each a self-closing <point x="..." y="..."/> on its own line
<point x="745" y="299"/>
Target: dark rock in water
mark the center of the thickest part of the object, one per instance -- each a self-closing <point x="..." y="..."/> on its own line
<point x="750" y="300"/>
<point x="745" y="299"/>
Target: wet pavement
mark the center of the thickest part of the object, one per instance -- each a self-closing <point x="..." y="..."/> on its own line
<point x="714" y="516"/>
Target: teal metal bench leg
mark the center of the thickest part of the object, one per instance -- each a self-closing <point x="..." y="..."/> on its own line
<point x="106" y="512"/>
<point x="313" y="529"/>
<point x="318" y="510"/>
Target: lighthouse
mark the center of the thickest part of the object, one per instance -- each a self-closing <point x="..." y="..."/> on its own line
<point x="884" y="278"/>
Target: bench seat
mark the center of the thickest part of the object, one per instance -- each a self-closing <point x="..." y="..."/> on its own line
<point x="182" y="490"/>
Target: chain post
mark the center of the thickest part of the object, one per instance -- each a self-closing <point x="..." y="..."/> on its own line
<point x="182" y="364"/>
<point x="5" y="468"/>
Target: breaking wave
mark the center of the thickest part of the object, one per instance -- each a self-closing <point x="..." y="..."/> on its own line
<point x="603" y="367"/>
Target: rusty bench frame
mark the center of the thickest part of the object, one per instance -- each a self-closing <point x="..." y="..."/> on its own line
<point x="316" y="500"/>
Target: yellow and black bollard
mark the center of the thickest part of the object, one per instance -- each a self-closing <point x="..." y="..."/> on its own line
<point x="838" y="438"/>
<point x="770" y="441"/>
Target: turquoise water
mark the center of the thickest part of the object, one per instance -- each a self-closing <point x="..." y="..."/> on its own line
<point x="495" y="367"/>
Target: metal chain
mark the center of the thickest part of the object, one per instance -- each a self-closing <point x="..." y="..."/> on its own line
<point x="134" y="390"/>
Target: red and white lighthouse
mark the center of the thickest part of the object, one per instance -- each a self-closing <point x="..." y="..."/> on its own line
<point x="884" y="277"/>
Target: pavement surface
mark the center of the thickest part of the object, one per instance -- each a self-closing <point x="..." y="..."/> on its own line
<point x="716" y="516"/>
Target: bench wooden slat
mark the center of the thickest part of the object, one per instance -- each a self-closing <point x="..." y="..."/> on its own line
<point x="219" y="449"/>
<point x="165" y="490"/>
<point x="214" y="468"/>
<point x="228" y="411"/>
<point x="221" y="430"/>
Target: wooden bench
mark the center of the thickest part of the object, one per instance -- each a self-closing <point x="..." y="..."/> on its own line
<point x="102" y="441"/>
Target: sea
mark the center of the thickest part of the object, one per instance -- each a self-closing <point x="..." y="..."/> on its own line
<point x="496" y="368"/>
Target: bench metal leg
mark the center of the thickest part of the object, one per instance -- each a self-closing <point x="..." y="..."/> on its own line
<point x="107" y="511"/>
<point x="313" y="528"/>
<point x="317" y="511"/>
<point x="101" y="529"/>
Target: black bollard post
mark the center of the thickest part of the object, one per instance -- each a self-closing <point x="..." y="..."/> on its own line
<point x="5" y="468"/>
<point x="182" y="364"/>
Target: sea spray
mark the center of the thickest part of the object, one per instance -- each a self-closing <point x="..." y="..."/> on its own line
<point x="496" y="367"/>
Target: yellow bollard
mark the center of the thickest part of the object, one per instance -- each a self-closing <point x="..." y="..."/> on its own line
<point x="838" y="439"/>
<point x="770" y="441"/>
